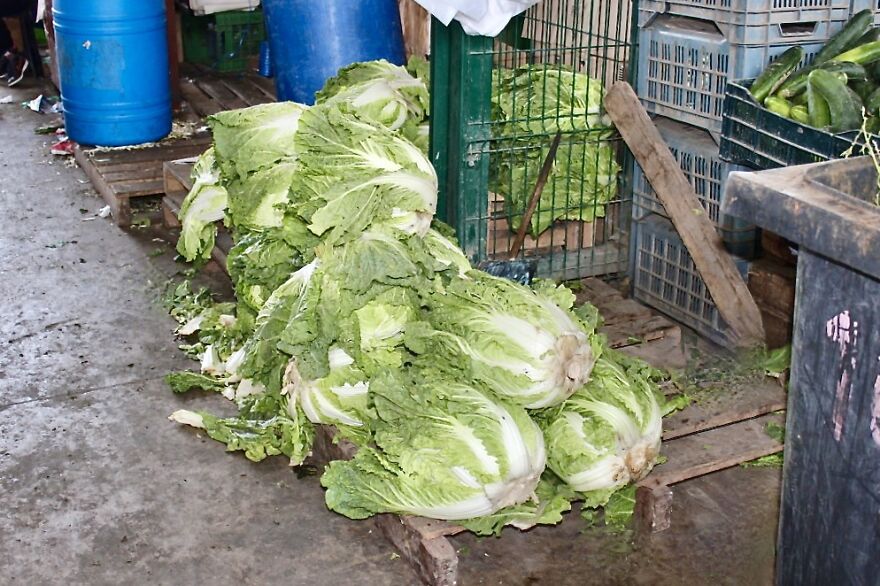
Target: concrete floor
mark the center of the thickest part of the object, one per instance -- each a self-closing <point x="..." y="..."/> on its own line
<point x="97" y="487"/>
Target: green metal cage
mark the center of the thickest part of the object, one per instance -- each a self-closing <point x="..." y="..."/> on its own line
<point x="497" y="104"/>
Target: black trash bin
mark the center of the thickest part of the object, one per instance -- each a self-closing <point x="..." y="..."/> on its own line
<point x="829" y="530"/>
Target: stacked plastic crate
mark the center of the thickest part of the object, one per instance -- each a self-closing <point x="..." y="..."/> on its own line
<point x="688" y="49"/>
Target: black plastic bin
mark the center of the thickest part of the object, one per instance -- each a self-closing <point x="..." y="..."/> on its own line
<point x="829" y="531"/>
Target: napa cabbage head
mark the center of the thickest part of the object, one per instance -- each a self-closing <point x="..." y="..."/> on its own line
<point x="254" y="138"/>
<point x="518" y="341"/>
<point x="443" y="448"/>
<point x="607" y="434"/>
<point x="353" y="174"/>
<point x="340" y="398"/>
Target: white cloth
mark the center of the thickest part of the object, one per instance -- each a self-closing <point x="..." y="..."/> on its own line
<point x="212" y="6"/>
<point x="477" y="17"/>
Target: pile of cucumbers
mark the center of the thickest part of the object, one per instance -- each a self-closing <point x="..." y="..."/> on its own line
<point x="831" y="92"/>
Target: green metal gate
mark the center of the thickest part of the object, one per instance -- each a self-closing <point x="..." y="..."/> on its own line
<point x="497" y="104"/>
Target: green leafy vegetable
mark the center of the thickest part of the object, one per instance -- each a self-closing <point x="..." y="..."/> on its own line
<point x="607" y="434"/>
<point x="204" y="204"/>
<point x="443" y="449"/>
<point x="255" y="138"/>
<point x="520" y="342"/>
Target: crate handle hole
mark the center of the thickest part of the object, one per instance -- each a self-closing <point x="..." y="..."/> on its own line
<point x="798" y="29"/>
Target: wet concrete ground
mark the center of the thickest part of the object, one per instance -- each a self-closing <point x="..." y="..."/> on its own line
<point x="97" y="487"/>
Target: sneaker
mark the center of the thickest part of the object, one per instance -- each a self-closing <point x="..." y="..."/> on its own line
<point x="4" y="67"/>
<point x="17" y="66"/>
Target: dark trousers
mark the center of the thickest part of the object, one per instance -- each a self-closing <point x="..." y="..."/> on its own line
<point x="13" y="8"/>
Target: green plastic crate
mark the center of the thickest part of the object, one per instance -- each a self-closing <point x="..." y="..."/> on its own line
<point x="224" y="41"/>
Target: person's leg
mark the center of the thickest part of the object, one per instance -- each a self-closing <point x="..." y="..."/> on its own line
<point x="5" y="38"/>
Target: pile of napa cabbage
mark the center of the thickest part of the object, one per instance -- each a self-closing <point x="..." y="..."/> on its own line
<point x="469" y="397"/>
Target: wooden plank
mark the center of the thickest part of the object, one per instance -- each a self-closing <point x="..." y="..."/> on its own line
<point x="119" y="207"/>
<point x="216" y="89"/>
<point x="716" y="267"/>
<point x="726" y="406"/>
<point x="173" y="50"/>
<point x="140" y="172"/>
<point x="432" y="528"/>
<point x="201" y="103"/>
<point x="665" y="352"/>
<point x="117" y="166"/>
<point x="177" y="177"/>
<point x="170" y="211"/>
<point x="137" y="188"/>
<point x="434" y="560"/>
<point x="265" y="85"/>
<point x="167" y="151"/>
<point x="416" y="28"/>
<point x="243" y="87"/>
<point x="598" y="289"/>
<point x="715" y="449"/>
<point x="638" y="331"/>
<point x="653" y="511"/>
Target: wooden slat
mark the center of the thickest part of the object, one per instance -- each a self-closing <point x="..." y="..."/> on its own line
<point x="434" y="560"/>
<point x="725" y="407"/>
<point x="138" y="188"/>
<point x="716" y="449"/>
<point x="168" y="151"/>
<point x="244" y="88"/>
<point x="198" y="100"/>
<point x="119" y="207"/>
<point x="265" y="85"/>
<point x="216" y="89"/>
<point x="147" y="172"/>
<point x="716" y="267"/>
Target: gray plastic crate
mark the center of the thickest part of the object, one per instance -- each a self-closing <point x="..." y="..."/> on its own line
<point x="814" y="28"/>
<point x="684" y="65"/>
<point x="666" y="279"/>
<point x="698" y="157"/>
<point x="783" y="15"/>
<point x="859" y="5"/>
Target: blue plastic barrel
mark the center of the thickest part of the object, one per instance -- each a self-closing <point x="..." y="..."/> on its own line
<point x="113" y="69"/>
<point x="310" y="41"/>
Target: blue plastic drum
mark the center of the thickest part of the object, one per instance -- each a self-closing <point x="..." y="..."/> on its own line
<point x="310" y="41"/>
<point x="113" y="69"/>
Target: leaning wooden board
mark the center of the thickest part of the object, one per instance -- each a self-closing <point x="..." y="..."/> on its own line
<point x="122" y="174"/>
<point x="716" y="267"/>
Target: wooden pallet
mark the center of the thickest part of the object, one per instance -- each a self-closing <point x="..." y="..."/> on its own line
<point x="122" y="174"/>
<point x="177" y="182"/>
<point x="701" y="439"/>
<point x="208" y="92"/>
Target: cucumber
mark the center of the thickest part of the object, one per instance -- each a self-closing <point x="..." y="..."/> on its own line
<point x="856" y="99"/>
<point x="844" y="109"/>
<point x="863" y="88"/>
<point x="776" y="73"/>
<point x="797" y="83"/>
<point x="857" y="26"/>
<point x="778" y="105"/>
<point x="800" y="114"/>
<point x="874" y="71"/>
<point x="872" y="102"/>
<point x="820" y="116"/>
<point x="872" y="35"/>
<point x="863" y="54"/>
<point x="799" y="100"/>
